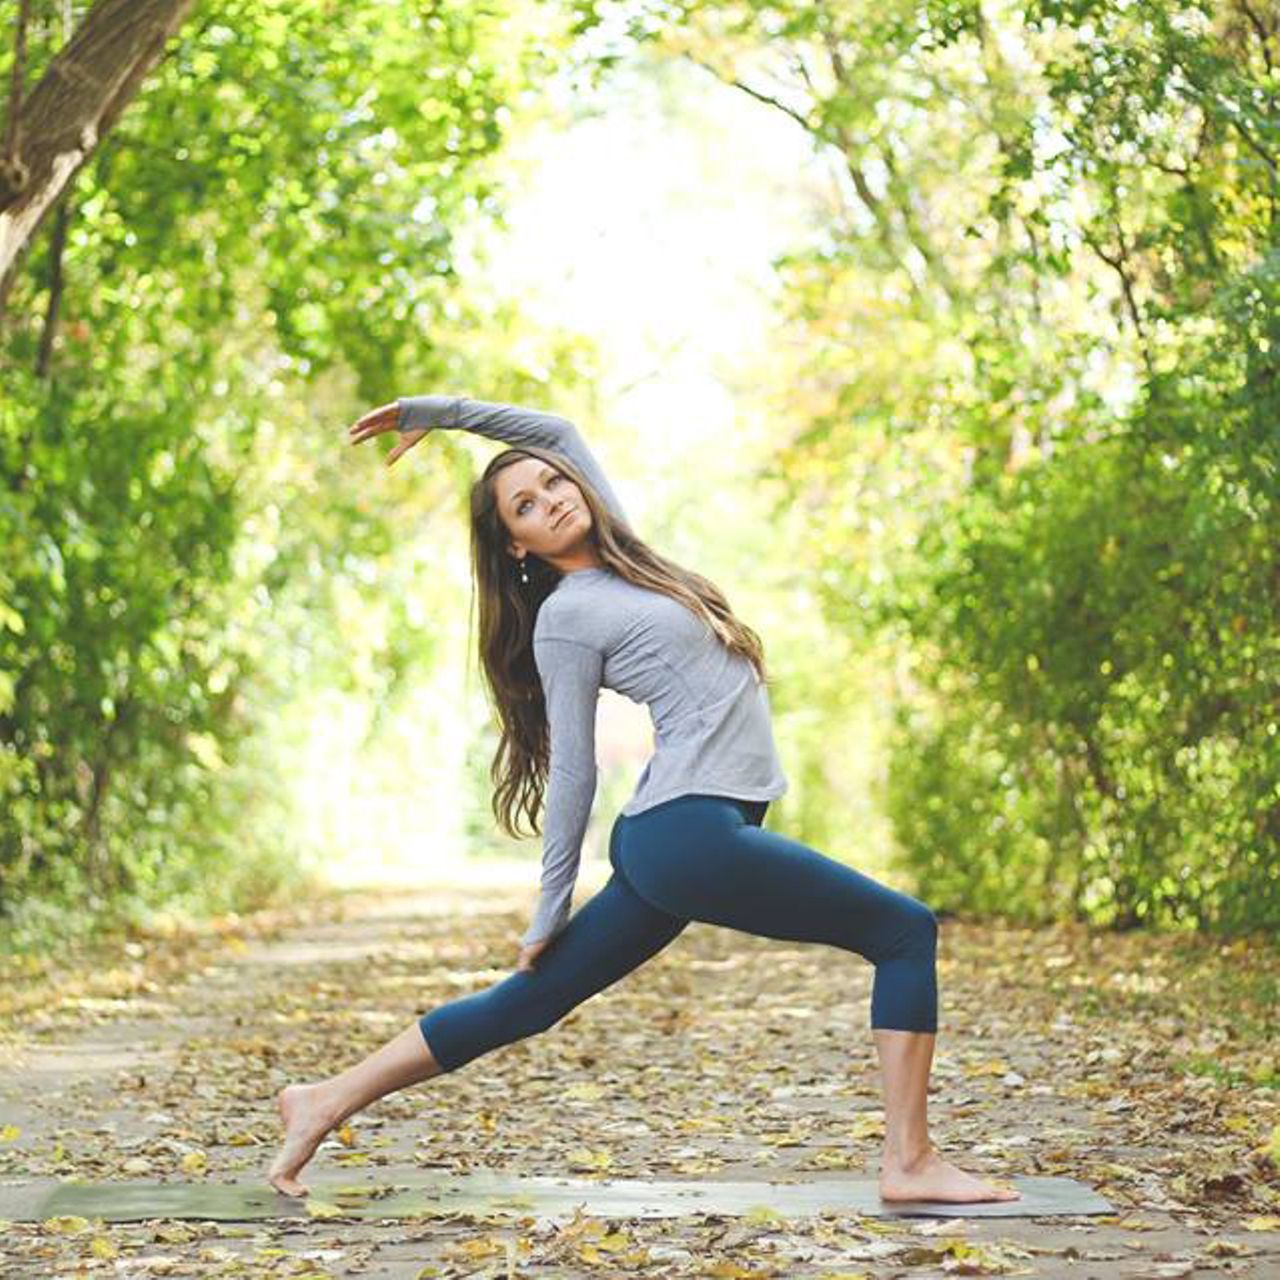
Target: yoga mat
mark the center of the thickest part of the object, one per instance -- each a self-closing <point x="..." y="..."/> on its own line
<point x="419" y="1195"/>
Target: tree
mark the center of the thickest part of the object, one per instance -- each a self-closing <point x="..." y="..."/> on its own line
<point x="53" y="130"/>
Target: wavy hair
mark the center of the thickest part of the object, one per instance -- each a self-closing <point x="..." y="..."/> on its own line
<point x="508" y="610"/>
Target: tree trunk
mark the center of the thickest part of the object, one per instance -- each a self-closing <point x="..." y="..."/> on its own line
<point x="77" y="101"/>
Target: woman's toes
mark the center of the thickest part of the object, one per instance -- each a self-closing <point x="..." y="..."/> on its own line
<point x="286" y="1185"/>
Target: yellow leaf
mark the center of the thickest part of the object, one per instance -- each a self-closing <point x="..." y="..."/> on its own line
<point x="696" y="1124"/>
<point x="323" y="1209"/>
<point x="589" y="1253"/>
<point x="102" y="1248"/>
<point x="1227" y="1248"/>
<point x="586" y="1092"/>
<point x="835" y="1160"/>
<point x="993" y="1067"/>
<point x="1268" y="1222"/>
<point x="347" y="1136"/>
<point x="174" y="1233"/>
<point x="194" y="1162"/>
<point x="763" y="1213"/>
<point x="870" y="1125"/>
<point x="483" y="1247"/>
<point x="583" y="1158"/>
<point x="67" y="1225"/>
<point x="9" y="1133"/>
<point x="615" y="1240"/>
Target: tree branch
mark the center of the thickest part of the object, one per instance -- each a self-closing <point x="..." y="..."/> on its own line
<point x="12" y="171"/>
<point x="57" y="247"/>
<point x="768" y="99"/>
<point x="1117" y="262"/>
<point x="1260" y="30"/>
<point x="75" y="104"/>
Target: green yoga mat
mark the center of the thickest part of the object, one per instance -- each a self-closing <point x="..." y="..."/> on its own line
<point x="486" y="1194"/>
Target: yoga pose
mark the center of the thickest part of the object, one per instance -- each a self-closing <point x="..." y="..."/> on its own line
<point x="570" y="601"/>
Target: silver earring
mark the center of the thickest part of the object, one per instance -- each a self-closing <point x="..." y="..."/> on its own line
<point x="524" y="576"/>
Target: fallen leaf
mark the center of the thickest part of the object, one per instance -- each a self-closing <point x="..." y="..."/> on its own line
<point x="66" y="1225"/>
<point x="102" y="1247"/>
<point x="323" y="1209"/>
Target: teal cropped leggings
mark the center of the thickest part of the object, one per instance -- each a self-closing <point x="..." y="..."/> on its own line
<point x="702" y="857"/>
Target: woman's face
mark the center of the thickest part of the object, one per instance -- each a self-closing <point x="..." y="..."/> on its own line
<point x="543" y="510"/>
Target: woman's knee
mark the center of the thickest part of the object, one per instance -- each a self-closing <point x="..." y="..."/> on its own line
<point x="918" y="930"/>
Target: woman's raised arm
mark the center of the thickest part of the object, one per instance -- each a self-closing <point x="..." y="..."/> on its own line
<point x="513" y="425"/>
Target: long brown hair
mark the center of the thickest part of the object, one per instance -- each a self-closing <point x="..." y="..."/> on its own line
<point x="508" y="609"/>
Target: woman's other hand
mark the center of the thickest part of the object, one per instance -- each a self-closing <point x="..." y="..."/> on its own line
<point x="385" y="418"/>
<point x="529" y="954"/>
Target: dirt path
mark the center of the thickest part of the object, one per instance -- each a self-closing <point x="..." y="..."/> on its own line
<point x="1135" y="1065"/>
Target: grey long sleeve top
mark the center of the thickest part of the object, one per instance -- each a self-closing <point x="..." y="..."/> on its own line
<point x="710" y="713"/>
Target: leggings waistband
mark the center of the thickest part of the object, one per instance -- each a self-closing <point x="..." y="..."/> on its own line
<point x="752" y="810"/>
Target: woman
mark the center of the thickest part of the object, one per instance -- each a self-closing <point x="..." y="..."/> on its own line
<point x="570" y="600"/>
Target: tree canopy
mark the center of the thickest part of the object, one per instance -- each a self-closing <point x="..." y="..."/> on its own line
<point x="1028" y="367"/>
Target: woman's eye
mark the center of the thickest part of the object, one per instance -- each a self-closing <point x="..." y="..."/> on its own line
<point x="553" y="479"/>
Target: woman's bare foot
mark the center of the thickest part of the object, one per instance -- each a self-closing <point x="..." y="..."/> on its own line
<point x="932" y="1178"/>
<point x="306" y="1121"/>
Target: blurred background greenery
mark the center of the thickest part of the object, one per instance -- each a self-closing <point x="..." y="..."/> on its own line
<point x="937" y="333"/>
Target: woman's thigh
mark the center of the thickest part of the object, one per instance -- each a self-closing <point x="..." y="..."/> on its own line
<point x="613" y="933"/>
<point x="700" y="857"/>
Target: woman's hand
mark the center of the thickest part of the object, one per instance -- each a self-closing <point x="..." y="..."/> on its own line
<point x="529" y="954"/>
<point x="385" y="418"/>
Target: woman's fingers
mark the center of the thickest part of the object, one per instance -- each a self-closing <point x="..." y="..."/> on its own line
<point x="384" y="418"/>
<point x="405" y="443"/>
<point x="401" y="447"/>
<point x="530" y="953"/>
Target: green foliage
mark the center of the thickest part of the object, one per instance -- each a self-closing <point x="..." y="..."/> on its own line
<point x="1104" y="736"/>
<point x="1037" y="427"/>
<point x="1033" y="377"/>
<point x="264" y="244"/>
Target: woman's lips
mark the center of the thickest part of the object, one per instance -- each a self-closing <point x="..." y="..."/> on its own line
<point x="564" y="517"/>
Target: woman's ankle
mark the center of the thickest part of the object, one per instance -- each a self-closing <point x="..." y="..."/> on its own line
<point x="321" y="1104"/>
<point x="905" y="1156"/>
